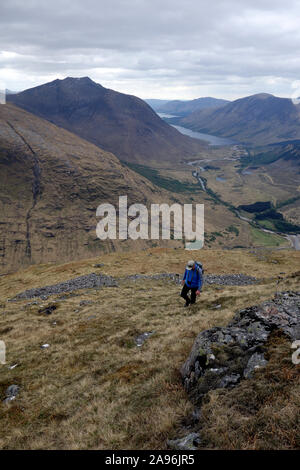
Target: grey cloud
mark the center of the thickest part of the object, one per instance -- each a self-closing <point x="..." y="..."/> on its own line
<point x="188" y="48"/>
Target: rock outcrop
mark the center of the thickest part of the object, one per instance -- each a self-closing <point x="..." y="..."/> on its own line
<point x="223" y="356"/>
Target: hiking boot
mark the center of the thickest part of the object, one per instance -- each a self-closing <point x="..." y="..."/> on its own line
<point x="187" y="304"/>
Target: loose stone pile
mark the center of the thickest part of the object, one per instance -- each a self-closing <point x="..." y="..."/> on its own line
<point x="220" y="279"/>
<point x="153" y="277"/>
<point x="94" y="280"/>
<point x="230" y="279"/>
<point x="82" y="282"/>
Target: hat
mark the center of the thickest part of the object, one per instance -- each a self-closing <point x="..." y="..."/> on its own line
<point x="190" y="264"/>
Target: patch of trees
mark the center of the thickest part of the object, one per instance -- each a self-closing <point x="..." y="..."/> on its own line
<point x="256" y="207"/>
<point x="278" y="221"/>
<point x="266" y="212"/>
<point x="211" y="167"/>
<point x="233" y="229"/>
<point x="269" y="214"/>
<point x="286" y="227"/>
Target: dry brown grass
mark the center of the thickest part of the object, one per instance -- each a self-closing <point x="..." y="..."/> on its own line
<point x="93" y="388"/>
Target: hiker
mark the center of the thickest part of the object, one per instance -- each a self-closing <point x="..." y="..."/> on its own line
<point x="192" y="280"/>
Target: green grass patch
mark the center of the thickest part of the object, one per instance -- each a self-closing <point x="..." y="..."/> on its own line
<point x="169" y="184"/>
<point x="268" y="224"/>
<point x="265" y="239"/>
<point x="275" y="219"/>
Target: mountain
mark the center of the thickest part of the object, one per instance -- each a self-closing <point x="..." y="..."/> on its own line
<point x="281" y="153"/>
<point x="258" y="119"/>
<point x="51" y="182"/>
<point x="156" y="103"/>
<point x="118" y="123"/>
<point x="183" y="108"/>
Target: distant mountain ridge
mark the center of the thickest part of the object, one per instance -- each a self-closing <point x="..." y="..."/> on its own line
<point x="156" y="103"/>
<point x="183" y="108"/>
<point x="258" y="119"/>
<point x="119" y="123"/>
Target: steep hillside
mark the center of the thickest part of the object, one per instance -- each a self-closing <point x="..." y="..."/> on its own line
<point x="283" y="155"/>
<point x="96" y="387"/>
<point x="183" y="108"/>
<point x="118" y="123"/>
<point x="258" y="119"/>
<point x="51" y="184"/>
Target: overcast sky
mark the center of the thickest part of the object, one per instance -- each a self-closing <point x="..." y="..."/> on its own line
<point x="169" y="49"/>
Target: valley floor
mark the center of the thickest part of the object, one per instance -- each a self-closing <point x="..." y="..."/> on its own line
<point x="93" y="387"/>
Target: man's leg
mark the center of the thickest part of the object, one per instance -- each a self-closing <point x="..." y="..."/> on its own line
<point x="193" y="295"/>
<point x="184" y="293"/>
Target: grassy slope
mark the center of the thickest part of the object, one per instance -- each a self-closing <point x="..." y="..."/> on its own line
<point x="265" y="239"/>
<point x="93" y="388"/>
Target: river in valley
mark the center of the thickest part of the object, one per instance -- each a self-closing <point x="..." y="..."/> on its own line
<point x="211" y="139"/>
<point x="222" y="141"/>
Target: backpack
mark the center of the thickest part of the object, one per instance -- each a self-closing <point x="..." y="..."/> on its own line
<point x="199" y="266"/>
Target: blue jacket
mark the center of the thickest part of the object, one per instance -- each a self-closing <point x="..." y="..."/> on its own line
<point x="193" y="277"/>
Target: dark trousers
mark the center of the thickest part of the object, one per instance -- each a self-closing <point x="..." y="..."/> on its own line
<point x="184" y="294"/>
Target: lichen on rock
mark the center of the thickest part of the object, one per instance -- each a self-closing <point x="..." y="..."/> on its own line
<point x="223" y="356"/>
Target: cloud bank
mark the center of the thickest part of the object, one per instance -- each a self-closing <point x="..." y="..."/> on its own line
<point x="154" y="48"/>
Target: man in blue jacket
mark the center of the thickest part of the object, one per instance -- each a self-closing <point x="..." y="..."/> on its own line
<point x="192" y="281"/>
